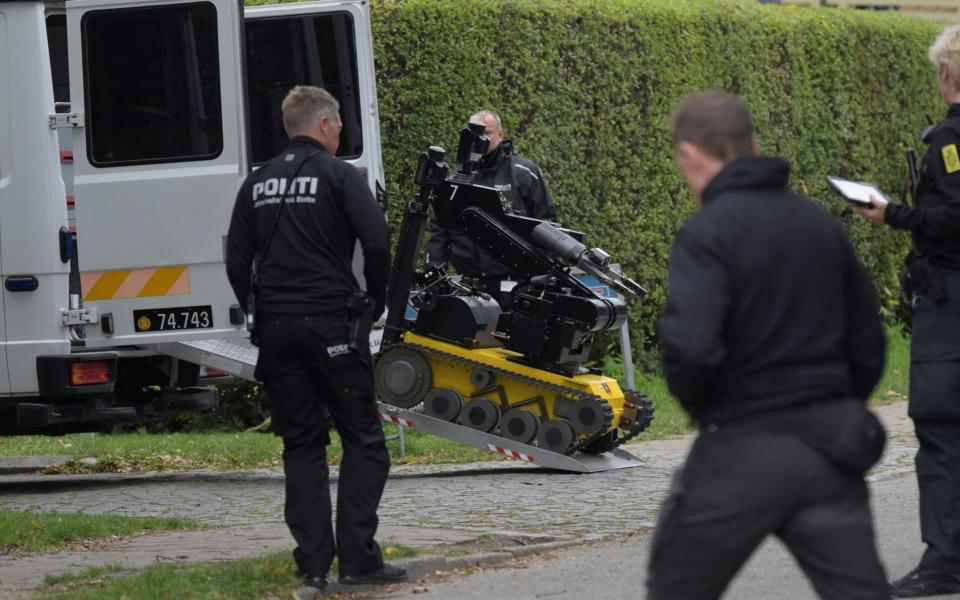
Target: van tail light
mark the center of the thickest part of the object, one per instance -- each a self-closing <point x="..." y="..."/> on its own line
<point x="90" y="373"/>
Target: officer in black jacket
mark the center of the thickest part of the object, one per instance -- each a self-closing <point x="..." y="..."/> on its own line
<point x="772" y="342"/>
<point x="933" y="282"/>
<point x="520" y="181"/>
<point x="299" y="216"/>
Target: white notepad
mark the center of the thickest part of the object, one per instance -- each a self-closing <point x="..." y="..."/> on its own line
<point x="857" y="192"/>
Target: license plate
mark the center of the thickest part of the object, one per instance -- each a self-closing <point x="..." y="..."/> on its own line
<point x="172" y="319"/>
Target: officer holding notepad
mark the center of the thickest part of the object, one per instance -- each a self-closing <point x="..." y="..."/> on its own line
<point x="932" y="281"/>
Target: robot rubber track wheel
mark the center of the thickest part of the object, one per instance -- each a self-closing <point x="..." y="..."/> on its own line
<point x="480" y="414"/>
<point x="443" y="403"/>
<point x="556" y="435"/>
<point x="402" y="377"/>
<point x="519" y="425"/>
<point x="590" y="416"/>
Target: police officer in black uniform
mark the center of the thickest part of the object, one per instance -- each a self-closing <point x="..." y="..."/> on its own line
<point x="299" y="217"/>
<point x="932" y="280"/>
<point x="772" y="342"/>
<point x="520" y="181"/>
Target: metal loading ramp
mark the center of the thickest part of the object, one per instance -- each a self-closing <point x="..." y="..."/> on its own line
<point x="577" y="463"/>
<point x="235" y="356"/>
<point x="238" y="358"/>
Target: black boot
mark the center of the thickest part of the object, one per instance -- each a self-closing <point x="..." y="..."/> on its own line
<point x="385" y="574"/>
<point x="319" y="582"/>
<point x="924" y="581"/>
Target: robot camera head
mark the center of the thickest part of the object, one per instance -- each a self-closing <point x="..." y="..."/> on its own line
<point x="473" y="145"/>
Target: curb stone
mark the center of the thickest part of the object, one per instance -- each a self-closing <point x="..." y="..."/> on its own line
<point x="477" y="560"/>
<point x="545" y="547"/>
<point x="420" y="567"/>
<point x="18" y="465"/>
<point x="20" y="478"/>
<point x="307" y="593"/>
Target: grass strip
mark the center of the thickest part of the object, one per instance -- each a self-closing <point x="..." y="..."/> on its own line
<point x="136" y="452"/>
<point x="271" y="575"/>
<point x="85" y="575"/>
<point x="34" y="531"/>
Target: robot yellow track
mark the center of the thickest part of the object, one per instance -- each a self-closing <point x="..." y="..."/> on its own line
<point x="490" y="391"/>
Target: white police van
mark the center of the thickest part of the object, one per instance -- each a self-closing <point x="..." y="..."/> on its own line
<point x="126" y="127"/>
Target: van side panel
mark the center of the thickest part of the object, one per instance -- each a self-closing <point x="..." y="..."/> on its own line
<point x="5" y="158"/>
<point x="32" y="199"/>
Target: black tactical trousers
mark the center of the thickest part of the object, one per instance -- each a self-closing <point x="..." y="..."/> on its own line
<point x="935" y="410"/>
<point x="739" y="486"/>
<point x="308" y="372"/>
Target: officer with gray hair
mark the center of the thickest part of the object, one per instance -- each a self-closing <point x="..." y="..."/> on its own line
<point x="932" y="282"/>
<point x="298" y="218"/>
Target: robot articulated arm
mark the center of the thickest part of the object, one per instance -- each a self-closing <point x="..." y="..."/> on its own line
<point x="553" y="315"/>
<point x="593" y="261"/>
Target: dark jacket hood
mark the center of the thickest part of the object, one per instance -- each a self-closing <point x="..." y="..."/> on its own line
<point x="749" y="172"/>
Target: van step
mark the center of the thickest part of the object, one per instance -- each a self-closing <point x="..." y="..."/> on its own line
<point x="198" y="398"/>
<point x="35" y="414"/>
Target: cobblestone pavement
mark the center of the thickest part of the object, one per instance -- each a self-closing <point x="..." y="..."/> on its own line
<point x="463" y="501"/>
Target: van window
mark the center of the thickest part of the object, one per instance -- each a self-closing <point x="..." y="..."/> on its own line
<point x="152" y="84"/>
<point x="283" y="52"/>
<point x="57" y="43"/>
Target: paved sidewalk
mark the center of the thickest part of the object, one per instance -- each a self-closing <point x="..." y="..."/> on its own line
<point x="423" y="507"/>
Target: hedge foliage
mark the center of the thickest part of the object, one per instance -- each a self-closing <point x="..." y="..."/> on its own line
<point x="585" y="88"/>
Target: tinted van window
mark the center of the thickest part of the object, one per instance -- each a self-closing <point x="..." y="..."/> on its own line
<point x="57" y="43"/>
<point x="152" y="84"/>
<point x="283" y="52"/>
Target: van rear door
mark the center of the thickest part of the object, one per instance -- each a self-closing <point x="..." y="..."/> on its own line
<point x="327" y="44"/>
<point x="157" y="89"/>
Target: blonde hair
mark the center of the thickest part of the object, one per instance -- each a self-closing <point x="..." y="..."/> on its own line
<point x="946" y="51"/>
<point x="304" y="106"/>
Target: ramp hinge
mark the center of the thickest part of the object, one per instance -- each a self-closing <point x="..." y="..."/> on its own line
<point x="61" y="120"/>
<point x="79" y="316"/>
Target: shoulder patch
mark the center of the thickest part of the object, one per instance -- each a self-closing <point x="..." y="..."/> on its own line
<point x="951" y="160"/>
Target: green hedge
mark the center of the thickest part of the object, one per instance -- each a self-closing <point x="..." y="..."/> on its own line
<point x="585" y="89"/>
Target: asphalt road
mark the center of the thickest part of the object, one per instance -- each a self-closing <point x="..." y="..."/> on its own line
<point x="618" y="569"/>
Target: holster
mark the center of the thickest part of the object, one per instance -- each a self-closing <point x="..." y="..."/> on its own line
<point x="251" y="316"/>
<point x="848" y="434"/>
<point x="360" y="320"/>
<point x="924" y="278"/>
<point x="844" y="431"/>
